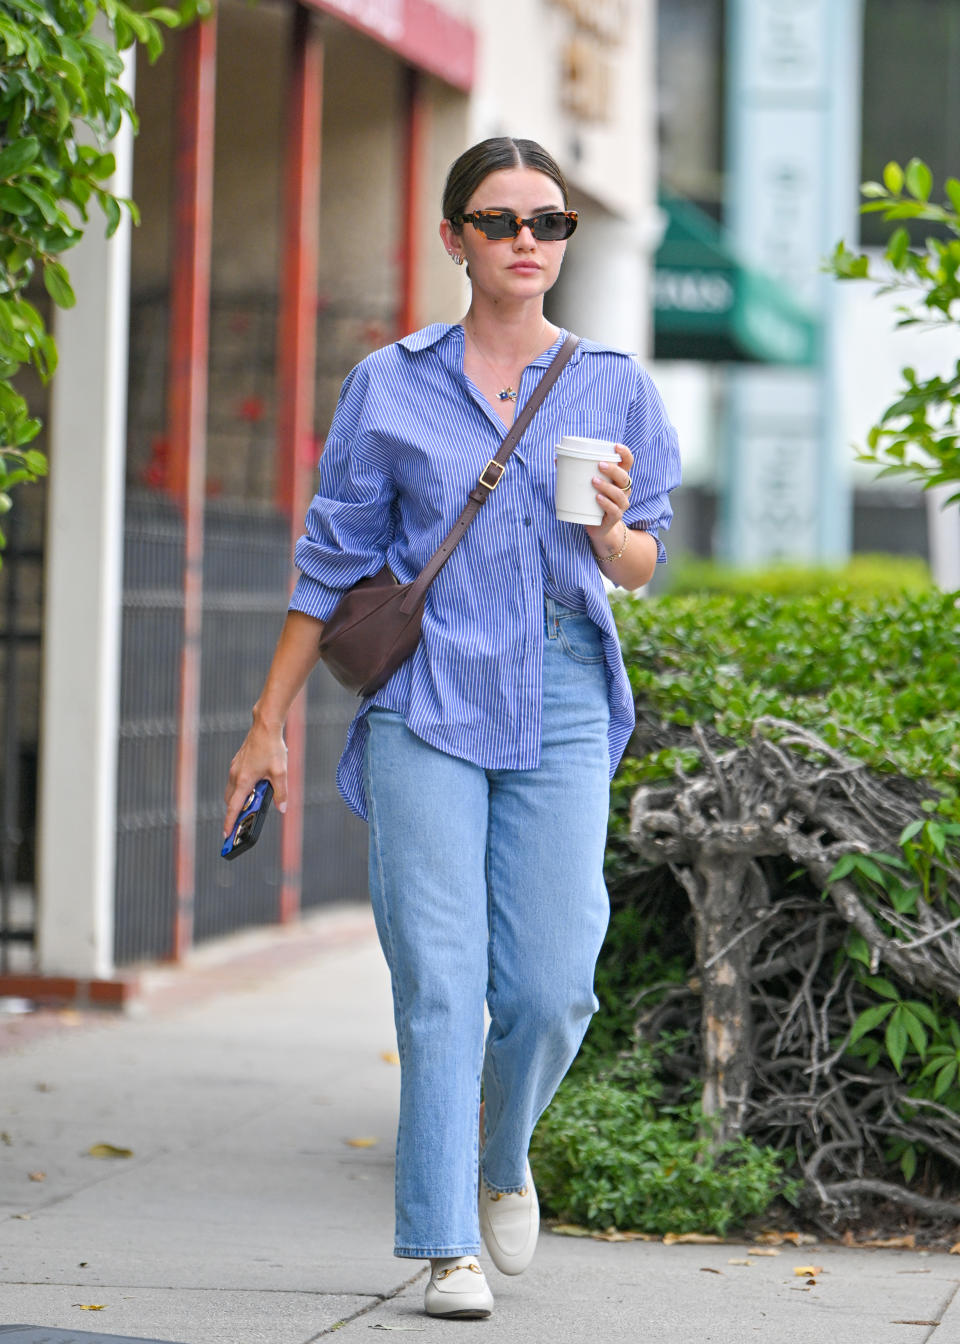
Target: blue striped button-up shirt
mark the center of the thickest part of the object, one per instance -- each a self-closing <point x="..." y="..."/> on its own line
<point x="410" y="436"/>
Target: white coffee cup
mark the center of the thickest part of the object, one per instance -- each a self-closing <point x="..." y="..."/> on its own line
<point x="578" y="461"/>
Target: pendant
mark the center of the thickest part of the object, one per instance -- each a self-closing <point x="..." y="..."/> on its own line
<point x="507" y="394"/>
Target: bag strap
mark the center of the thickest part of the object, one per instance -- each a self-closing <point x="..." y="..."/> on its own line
<point x="489" y="478"/>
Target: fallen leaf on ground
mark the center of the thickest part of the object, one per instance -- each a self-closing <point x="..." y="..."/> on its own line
<point x="800" y="1238"/>
<point x="391" y="1057"/>
<point x="70" y="1017"/>
<point x="807" y="1271"/>
<point x="362" y="1143"/>
<point x="92" y="1306"/>
<point x="5" y="1138"/>
<point x="737" y="1261"/>
<point x="571" y="1230"/>
<point x="954" y="1250"/>
<point x="763" y="1250"/>
<point x="706" y="1269"/>
<point x="108" y="1150"/>
<point x="38" y="1175"/>
<point x="769" y="1238"/>
<point x="614" y="1234"/>
<point x="914" y="1322"/>
<point x="44" y="1087"/>
<point x="691" y="1239"/>
<point x="908" y="1243"/>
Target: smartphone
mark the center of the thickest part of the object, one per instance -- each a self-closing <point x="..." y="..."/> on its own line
<point x="249" y="824"/>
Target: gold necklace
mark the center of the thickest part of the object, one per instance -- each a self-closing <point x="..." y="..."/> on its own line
<point x="507" y="393"/>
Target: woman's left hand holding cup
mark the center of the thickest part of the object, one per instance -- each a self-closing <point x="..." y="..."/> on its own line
<point x="613" y="486"/>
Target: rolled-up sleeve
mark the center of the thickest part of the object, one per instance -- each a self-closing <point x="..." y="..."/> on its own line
<point x="350" y="520"/>
<point x="656" y="462"/>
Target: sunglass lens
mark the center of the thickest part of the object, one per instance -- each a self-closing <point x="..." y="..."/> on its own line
<point x="495" y="224"/>
<point x="550" y="227"/>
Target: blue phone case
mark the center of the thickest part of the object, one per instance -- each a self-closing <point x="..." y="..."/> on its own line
<point x="247" y="827"/>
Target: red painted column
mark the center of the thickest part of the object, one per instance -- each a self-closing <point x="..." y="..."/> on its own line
<point x="415" y="113"/>
<point x="187" y="410"/>
<point x="296" y="376"/>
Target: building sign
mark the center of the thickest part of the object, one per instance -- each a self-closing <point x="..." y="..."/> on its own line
<point x="792" y="151"/>
<point x="595" y="28"/>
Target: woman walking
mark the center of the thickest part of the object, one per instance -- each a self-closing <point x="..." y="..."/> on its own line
<point x="483" y="764"/>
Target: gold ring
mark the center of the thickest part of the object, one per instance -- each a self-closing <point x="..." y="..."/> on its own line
<point x="628" y="486"/>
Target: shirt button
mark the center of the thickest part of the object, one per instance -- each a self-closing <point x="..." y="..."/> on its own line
<point x="527" y="522"/>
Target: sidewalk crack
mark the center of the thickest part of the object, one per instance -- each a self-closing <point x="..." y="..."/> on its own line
<point x="372" y="1306"/>
<point x="947" y="1304"/>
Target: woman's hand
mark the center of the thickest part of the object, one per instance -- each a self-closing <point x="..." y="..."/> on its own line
<point x="263" y="755"/>
<point x="627" y="556"/>
<point x="613" y="487"/>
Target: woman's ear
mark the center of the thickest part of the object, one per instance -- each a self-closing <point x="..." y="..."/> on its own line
<point x="451" y="241"/>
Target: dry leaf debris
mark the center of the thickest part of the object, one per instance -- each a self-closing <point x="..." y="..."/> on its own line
<point x="108" y="1150"/>
<point x="363" y="1142"/>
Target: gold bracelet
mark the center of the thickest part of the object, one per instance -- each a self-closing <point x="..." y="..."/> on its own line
<point x="615" y="555"/>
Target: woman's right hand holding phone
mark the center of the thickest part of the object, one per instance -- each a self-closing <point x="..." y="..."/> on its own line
<point x="263" y="755"/>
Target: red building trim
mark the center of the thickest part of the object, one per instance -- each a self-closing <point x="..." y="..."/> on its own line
<point x="296" y="377"/>
<point x="187" y="408"/>
<point x="421" y="32"/>
<point x="416" y="131"/>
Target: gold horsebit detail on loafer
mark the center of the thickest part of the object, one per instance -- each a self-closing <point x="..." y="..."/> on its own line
<point x="499" y="1194"/>
<point x="445" y="1273"/>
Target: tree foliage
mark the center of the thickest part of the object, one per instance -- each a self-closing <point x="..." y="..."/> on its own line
<point x="918" y="435"/>
<point x="61" y="103"/>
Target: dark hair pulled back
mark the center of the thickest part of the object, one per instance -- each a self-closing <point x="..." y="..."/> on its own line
<point x="490" y="156"/>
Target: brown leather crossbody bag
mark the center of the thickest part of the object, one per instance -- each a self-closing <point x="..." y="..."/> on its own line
<point x="376" y="624"/>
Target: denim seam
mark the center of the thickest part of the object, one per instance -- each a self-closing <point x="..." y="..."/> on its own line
<point x="578" y="657"/>
<point x="435" y="1252"/>
<point x="388" y="929"/>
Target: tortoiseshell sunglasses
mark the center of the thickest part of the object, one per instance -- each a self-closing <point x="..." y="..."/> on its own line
<point x="552" y="226"/>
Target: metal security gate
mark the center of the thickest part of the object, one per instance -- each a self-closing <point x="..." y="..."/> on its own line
<point x="20" y="586"/>
<point x="246" y="583"/>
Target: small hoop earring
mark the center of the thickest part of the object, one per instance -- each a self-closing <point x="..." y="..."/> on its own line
<point x="456" y="258"/>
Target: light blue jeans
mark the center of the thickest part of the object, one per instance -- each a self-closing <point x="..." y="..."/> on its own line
<point x="488" y="885"/>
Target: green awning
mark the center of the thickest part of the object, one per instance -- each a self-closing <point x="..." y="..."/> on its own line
<point x="709" y="306"/>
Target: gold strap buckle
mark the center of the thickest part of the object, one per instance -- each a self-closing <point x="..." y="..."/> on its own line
<point x="498" y="467"/>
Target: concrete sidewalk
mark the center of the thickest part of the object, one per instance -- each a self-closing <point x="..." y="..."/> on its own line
<point x="245" y="1216"/>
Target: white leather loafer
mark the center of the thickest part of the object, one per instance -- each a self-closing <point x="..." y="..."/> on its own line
<point x="458" y="1290"/>
<point x="510" y="1225"/>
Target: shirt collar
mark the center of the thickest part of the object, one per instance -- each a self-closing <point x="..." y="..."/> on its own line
<point x="428" y="337"/>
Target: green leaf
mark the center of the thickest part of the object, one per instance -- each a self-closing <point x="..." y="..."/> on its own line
<point x="952" y="187"/>
<point x="841" y="868"/>
<point x="869" y="1020"/>
<point x="897" y="247"/>
<point x="915" y="1030"/>
<point x="919" y="180"/>
<point x="945" y="1079"/>
<point x="910" y="831"/>
<point x="14" y="200"/>
<point x="895" y="1038"/>
<point x="908" y="1163"/>
<point x="57" y="284"/>
<point x="893" y="178"/>
<point x="880" y="985"/>
<point x="18" y="156"/>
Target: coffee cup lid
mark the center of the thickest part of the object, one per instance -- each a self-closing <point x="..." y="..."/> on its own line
<point x="595" y="449"/>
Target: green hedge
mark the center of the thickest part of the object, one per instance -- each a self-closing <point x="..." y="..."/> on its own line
<point x="871" y="668"/>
